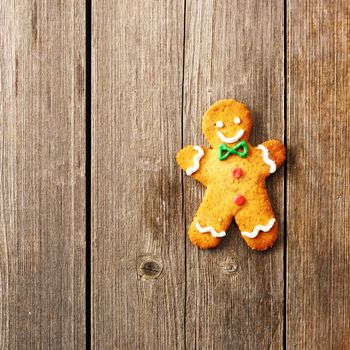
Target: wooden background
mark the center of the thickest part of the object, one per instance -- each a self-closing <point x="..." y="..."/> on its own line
<point x="95" y="100"/>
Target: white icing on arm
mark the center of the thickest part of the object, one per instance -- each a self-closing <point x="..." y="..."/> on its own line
<point x="209" y="229"/>
<point x="258" y="228"/>
<point x="267" y="159"/>
<point x="196" y="159"/>
<point x="232" y="139"/>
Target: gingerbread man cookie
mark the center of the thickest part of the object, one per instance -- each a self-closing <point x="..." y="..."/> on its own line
<point x="234" y="173"/>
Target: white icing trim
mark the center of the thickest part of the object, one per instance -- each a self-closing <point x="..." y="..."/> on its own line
<point x="232" y="139"/>
<point x="219" y="124"/>
<point x="196" y="160"/>
<point x="267" y="159"/>
<point x="237" y="120"/>
<point x="209" y="229"/>
<point x="258" y="228"/>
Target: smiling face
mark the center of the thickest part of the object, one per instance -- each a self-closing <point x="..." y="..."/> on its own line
<point x="227" y="121"/>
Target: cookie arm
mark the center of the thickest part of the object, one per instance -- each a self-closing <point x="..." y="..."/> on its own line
<point x="273" y="151"/>
<point x="194" y="161"/>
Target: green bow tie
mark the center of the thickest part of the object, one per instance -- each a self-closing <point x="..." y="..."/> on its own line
<point x="225" y="151"/>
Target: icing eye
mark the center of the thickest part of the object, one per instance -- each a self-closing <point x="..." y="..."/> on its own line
<point x="219" y="124"/>
<point x="237" y="120"/>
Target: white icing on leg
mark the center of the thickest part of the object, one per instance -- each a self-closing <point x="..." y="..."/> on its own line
<point x="258" y="228"/>
<point x="209" y="229"/>
<point x="267" y="159"/>
<point x="196" y="159"/>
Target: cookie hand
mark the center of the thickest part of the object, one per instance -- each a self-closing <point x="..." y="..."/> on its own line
<point x="273" y="153"/>
<point x="193" y="159"/>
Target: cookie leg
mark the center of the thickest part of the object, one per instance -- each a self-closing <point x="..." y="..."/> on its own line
<point x="257" y="223"/>
<point x="210" y="222"/>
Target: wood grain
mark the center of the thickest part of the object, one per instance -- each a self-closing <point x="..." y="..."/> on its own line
<point x="156" y="67"/>
<point x="42" y="175"/>
<point x="234" y="50"/>
<point x="138" y="277"/>
<point x="318" y="191"/>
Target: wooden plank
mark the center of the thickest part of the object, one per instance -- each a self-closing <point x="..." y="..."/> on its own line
<point x="318" y="190"/>
<point x="234" y="50"/>
<point x="138" y="281"/>
<point x="42" y="176"/>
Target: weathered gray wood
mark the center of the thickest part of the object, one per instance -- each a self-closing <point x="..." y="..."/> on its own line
<point x="42" y="176"/>
<point x="318" y="191"/>
<point x="234" y="49"/>
<point x="138" y="277"/>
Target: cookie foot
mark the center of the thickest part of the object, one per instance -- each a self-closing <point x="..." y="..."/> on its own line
<point x="264" y="240"/>
<point x="203" y="240"/>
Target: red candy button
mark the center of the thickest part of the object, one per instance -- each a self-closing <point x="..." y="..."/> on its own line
<point x="237" y="173"/>
<point x="239" y="199"/>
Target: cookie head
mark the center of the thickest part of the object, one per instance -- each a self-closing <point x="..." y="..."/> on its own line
<point x="227" y="121"/>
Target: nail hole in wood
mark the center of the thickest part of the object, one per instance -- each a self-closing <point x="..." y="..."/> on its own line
<point x="150" y="268"/>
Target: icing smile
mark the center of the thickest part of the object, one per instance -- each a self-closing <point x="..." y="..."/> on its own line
<point x="232" y="139"/>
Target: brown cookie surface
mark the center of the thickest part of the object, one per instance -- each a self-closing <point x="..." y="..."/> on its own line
<point x="234" y="173"/>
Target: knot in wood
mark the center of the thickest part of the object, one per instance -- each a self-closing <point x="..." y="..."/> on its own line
<point x="150" y="268"/>
<point x="229" y="266"/>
